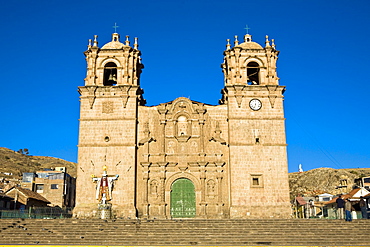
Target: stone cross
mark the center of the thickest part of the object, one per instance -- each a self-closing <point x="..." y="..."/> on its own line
<point x="247" y="29"/>
<point x="115" y="27"/>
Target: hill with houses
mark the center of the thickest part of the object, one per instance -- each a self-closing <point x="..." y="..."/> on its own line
<point x="309" y="183"/>
<point x="325" y="180"/>
<point x="14" y="163"/>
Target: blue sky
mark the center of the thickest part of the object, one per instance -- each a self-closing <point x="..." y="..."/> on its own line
<point x="324" y="63"/>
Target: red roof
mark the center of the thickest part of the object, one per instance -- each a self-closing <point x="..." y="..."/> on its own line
<point x="344" y="197"/>
<point x="300" y="200"/>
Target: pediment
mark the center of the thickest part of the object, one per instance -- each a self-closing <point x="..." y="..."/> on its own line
<point x="182" y="106"/>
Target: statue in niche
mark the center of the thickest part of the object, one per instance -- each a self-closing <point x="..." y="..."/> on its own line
<point x="182" y="148"/>
<point x="194" y="146"/>
<point x="182" y="126"/>
<point x="171" y="147"/>
<point x="195" y="129"/>
<point x="211" y="191"/>
<point x="154" y="188"/>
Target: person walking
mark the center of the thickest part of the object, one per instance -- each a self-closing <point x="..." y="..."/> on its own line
<point x="348" y="208"/>
<point x="363" y="207"/>
<point x="340" y="207"/>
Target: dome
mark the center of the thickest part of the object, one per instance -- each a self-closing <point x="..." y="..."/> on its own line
<point x="115" y="43"/>
<point x="250" y="45"/>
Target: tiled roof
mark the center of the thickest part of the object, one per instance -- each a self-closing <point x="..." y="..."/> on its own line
<point x="344" y="197"/>
<point x="30" y="194"/>
<point x="4" y="195"/>
<point x="300" y="200"/>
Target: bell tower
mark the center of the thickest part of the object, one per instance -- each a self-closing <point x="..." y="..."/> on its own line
<point x="257" y="143"/>
<point x="109" y="103"/>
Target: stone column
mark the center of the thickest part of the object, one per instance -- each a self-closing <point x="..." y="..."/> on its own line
<point x="162" y="176"/>
<point x="163" y="123"/>
<point x="145" y="203"/>
<point x="201" y="113"/>
<point x="220" y="203"/>
<point x="203" y="203"/>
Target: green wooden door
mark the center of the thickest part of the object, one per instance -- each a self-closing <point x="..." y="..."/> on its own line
<point x="183" y="199"/>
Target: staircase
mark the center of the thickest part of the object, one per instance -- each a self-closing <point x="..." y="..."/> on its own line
<point x="189" y="232"/>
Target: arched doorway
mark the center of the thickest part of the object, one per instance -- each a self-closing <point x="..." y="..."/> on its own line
<point x="182" y="199"/>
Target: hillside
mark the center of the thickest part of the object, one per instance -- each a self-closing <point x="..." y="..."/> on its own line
<point x="16" y="163"/>
<point x="325" y="180"/>
<point x="308" y="183"/>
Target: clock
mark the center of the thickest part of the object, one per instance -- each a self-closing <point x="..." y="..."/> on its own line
<point x="255" y="104"/>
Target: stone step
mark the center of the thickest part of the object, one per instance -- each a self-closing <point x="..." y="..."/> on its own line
<point x="183" y="232"/>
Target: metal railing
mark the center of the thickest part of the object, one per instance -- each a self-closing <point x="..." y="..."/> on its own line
<point x="37" y="213"/>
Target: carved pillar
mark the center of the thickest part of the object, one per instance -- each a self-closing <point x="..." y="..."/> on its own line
<point x="203" y="203"/>
<point x="145" y="203"/>
<point x="162" y="177"/>
<point x="163" y="122"/>
<point x="220" y="203"/>
<point x="201" y="113"/>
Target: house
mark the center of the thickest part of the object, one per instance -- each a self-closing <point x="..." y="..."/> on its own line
<point x="24" y="199"/>
<point x="325" y="197"/>
<point x="366" y="183"/>
<point x="354" y="197"/>
<point x="305" y="207"/>
<point x="5" y="202"/>
<point x="54" y="184"/>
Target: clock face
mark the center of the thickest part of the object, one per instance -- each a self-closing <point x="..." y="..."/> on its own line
<point x="255" y="104"/>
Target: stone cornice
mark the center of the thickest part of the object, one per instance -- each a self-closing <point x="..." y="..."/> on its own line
<point x="260" y="144"/>
<point x="257" y="118"/>
<point x="107" y="145"/>
<point x="105" y="119"/>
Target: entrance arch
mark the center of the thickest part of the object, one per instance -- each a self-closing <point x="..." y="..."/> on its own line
<point x="183" y="199"/>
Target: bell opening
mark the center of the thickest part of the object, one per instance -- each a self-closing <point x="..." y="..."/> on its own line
<point x="110" y="74"/>
<point x="253" y="73"/>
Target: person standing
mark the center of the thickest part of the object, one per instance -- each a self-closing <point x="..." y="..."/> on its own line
<point x="340" y="207"/>
<point x="363" y="207"/>
<point x="348" y="208"/>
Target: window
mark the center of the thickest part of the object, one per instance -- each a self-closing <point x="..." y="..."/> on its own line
<point x="39" y="188"/>
<point x="28" y="177"/>
<point x="54" y="186"/>
<point x="256" y="181"/>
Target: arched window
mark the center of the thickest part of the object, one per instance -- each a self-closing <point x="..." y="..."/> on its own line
<point x="110" y="74"/>
<point x="253" y="70"/>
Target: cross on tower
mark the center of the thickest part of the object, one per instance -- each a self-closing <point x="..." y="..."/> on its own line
<point x="115" y="27"/>
<point x="247" y="29"/>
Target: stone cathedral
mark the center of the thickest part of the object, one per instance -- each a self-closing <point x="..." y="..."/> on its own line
<point x="183" y="159"/>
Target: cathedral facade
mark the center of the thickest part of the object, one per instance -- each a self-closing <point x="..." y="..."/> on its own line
<point x="183" y="159"/>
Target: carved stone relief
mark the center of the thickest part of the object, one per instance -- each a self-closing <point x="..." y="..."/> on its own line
<point x="107" y="107"/>
<point x="154" y="189"/>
